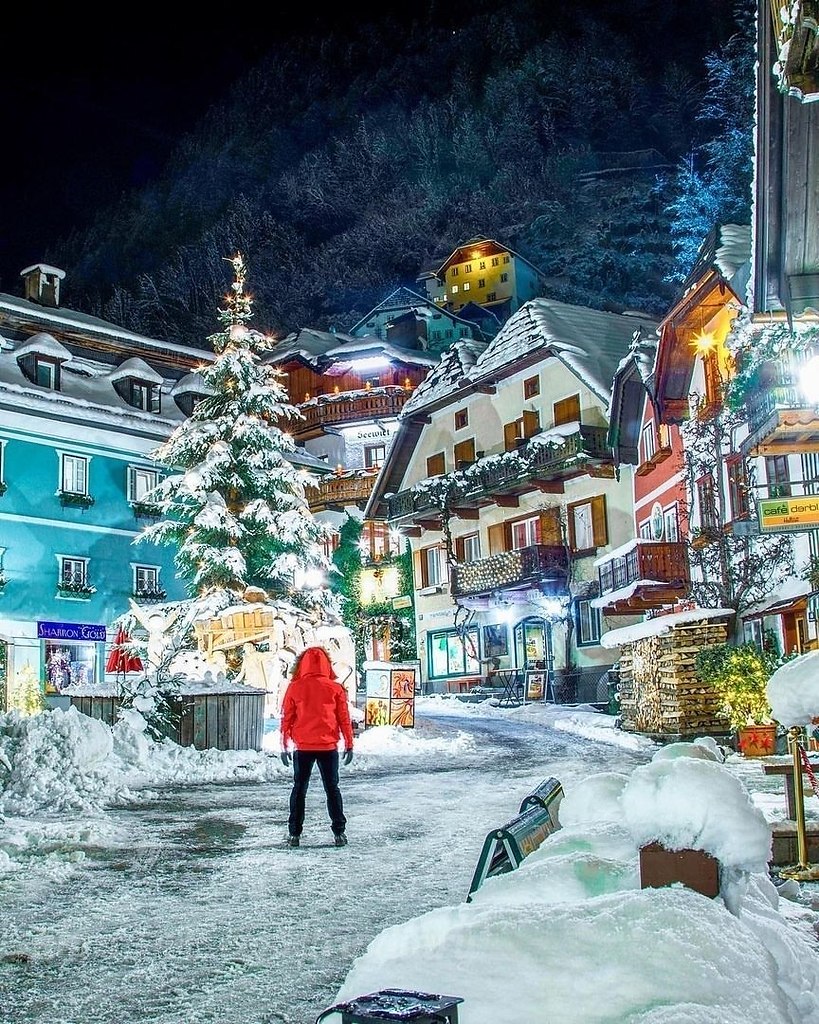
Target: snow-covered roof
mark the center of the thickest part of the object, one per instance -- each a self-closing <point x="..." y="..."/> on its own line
<point x="46" y="269"/>
<point x="136" y="368"/>
<point x="191" y="383"/>
<point x="360" y="348"/>
<point x="590" y="342"/>
<point x="43" y="344"/>
<point x="661" y="624"/>
<point x="791" y="589"/>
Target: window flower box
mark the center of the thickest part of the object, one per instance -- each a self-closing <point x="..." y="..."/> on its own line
<point x="73" y="588"/>
<point x="72" y="499"/>
<point x="150" y="595"/>
<point x="145" y="510"/>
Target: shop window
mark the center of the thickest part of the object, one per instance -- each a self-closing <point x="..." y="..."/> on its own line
<point x="587" y="623"/>
<point x="531" y="387"/>
<point x="567" y="410"/>
<point x="69" y="664"/>
<point x="453" y="653"/>
<point x="587" y="524"/>
<point x="436" y="464"/>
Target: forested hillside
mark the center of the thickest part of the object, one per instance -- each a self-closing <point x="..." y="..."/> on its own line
<point x="599" y="142"/>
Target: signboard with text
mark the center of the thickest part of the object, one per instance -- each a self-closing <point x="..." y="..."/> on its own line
<point x="87" y="631"/>
<point x="785" y="515"/>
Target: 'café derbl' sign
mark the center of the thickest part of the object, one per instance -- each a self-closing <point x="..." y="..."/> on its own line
<point x="70" y="631"/>
<point x="789" y="514"/>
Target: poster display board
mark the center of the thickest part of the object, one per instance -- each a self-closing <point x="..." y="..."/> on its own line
<point x="390" y="693"/>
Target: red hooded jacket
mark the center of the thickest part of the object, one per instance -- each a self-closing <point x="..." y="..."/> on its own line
<point x="314" y="710"/>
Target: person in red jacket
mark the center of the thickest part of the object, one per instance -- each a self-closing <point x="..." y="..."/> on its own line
<point x="314" y="717"/>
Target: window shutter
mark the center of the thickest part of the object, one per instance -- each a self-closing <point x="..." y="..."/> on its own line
<point x="497" y="538"/>
<point x="459" y="549"/>
<point x="601" y="534"/>
<point x="550" y="532"/>
<point x="464" y="451"/>
<point x="419" y="564"/>
<point x="531" y="423"/>
<point x="567" y="410"/>
<point x="511" y="435"/>
<point x="436" y="465"/>
<point x="572" y="531"/>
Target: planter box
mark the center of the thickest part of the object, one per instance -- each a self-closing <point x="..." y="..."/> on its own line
<point x="695" y="869"/>
<point x="757" y="741"/>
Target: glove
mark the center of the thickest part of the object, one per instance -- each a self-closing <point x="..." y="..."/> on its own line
<point x="348" y="756"/>
<point x="285" y="758"/>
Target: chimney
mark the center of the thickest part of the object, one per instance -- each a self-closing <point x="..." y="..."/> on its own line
<point x="42" y="284"/>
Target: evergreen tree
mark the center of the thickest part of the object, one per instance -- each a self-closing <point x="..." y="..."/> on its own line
<point x="234" y="505"/>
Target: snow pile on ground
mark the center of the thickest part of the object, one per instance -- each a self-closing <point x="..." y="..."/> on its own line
<point x="573" y="921"/>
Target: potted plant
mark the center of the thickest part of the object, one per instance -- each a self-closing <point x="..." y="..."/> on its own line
<point x="739" y="675"/>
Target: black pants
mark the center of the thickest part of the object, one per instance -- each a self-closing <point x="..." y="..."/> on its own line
<point x="303" y="761"/>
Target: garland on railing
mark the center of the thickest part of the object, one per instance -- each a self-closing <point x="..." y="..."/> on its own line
<point x="753" y="346"/>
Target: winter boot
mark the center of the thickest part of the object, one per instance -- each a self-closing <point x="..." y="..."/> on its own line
<point x="341" y="839"/>
<point x="292" y="840"/>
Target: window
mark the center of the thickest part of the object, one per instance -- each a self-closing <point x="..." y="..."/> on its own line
<point x="464" y="453"/>
<point x="451" y="653"/>
<point x="738" y="488"/>
<point x="468" y="547"/>
<point x="453" y="272"/>
<point x="74" y="474"/>
<point x="713" y="382"/>
<point x="645" y="531"/>
<point x="531" y="387"/>
<point x="481" y="282"/>
<point x="491" y="296"/>
<point x="146" y="582"/>
<point x="467" y="286"/>
<point x="140" y="482"/>
<point x="504" y="277"/>
<point x="505" y="259"/>
<point x="648" y="442"/>
<point x="454" y="289"/>
<point x="810" y="473"/>
<point x="47" y="373"/>
<point x="482" y="265"/>
<point x="143" y="396"/>
<point x="2" y="465"/>
<point x="433" y="566"/>
<point x="468" y="268"/>
<point x="374" y="455"/>
<point x="779" y="479"/>
<point x="495" y="261"/>
<point x="73" y="572"/>
<point x="461" y="419"/>
<point x="567" y="410"/>
<point x="525" y="532"/>
<point x="587" y="524"/>
<point x="436" y="464"/>
<point x="671" y="523"/>
<point x="520" y="430"/>
<point x="587" y="623"/>
<point x="706" y="499"/>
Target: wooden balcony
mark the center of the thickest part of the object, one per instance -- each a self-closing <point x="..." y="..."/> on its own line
<point x="347" y="408"/>
<point x="652" y="573"/>
<point x="502" y="478"/>
<point x="539" y="566"/>
<point x="781" y="421"/>
<point x="338" y="492"/>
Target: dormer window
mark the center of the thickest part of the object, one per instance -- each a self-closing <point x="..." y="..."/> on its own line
<point x="189" y="392"/>
<point x="47" y="373"/>
<point x="138" y="385"/>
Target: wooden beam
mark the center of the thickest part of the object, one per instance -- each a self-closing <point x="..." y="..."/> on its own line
<point x="467" y="513"/>
<point x="506" y="500"/>
<point x="550" y="486"/>
<point x="429" y="524"/>
<point x="411" y="531"/>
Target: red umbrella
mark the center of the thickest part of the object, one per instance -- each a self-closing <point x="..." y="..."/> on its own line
<point x="121" y="659"/>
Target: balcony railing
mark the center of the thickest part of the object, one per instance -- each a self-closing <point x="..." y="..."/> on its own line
<point x="341" y="491"/>
<point x="507" y="473"/>
<point x="330" y="410"/>
<point x="652" y="561"/>
<point x="510" y="570"/>
<point x="780" y="417"/>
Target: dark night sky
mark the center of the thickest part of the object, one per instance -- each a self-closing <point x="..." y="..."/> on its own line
<point x="93" y="109"/>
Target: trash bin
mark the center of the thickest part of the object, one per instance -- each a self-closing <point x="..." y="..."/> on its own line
<point x="613" y="688"/>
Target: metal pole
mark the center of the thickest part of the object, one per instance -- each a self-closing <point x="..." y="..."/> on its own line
<point x="803" y="871"/>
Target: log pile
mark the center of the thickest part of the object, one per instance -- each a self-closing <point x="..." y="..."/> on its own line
<point x="660" y="694"/>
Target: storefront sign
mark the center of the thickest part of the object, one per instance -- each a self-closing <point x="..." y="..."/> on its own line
<point x="71" y="631"/>
<point x="405" y="601"/>
<point x="783" y="515"/>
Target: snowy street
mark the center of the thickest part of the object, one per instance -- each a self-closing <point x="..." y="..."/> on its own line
<point x="187" y="906"/>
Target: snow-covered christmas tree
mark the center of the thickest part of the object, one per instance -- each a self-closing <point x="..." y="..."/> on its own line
<point x="234" y="505"/>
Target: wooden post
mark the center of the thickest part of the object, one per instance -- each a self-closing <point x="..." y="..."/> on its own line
<point x="803" y="871"/>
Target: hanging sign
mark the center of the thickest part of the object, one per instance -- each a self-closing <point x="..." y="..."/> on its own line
<point x="786" y="515"/>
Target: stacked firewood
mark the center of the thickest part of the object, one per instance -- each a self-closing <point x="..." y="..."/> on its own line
<point x="660" y="694"/>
